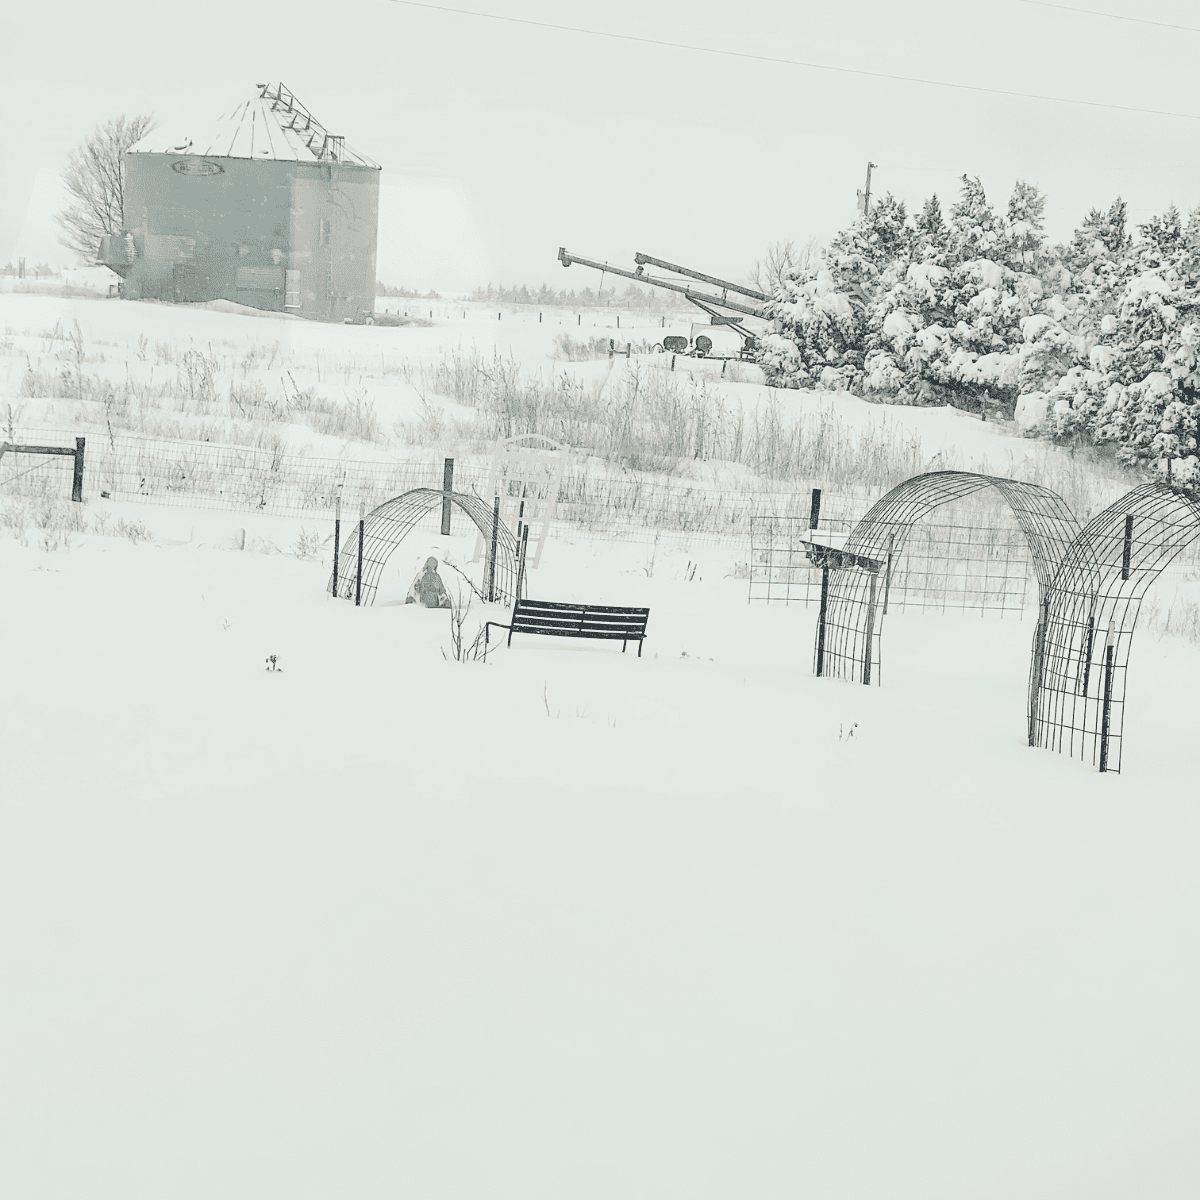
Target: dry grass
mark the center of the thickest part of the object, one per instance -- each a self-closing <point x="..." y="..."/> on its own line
<point x="647" y="419"/>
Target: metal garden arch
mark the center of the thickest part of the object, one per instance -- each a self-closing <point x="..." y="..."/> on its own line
<point x="856" y="579"/>
<point x="385" y="527"/>
<point x="1096" y="596"/>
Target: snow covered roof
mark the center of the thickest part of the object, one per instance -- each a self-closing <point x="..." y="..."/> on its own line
<point x="272" y="124"/>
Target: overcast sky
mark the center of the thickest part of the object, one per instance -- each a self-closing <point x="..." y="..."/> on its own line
<point x="500" y="142"/>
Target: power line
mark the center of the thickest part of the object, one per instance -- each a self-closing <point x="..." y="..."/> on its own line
<point x="794" y="62"/>
<point x="1091" y="12"/>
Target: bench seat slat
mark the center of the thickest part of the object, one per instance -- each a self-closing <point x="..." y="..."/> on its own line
<point x="609" y="635"/>
<point x="549" y="606"/>
<point x="588" y="622"/>
<point x="625" y="631"/>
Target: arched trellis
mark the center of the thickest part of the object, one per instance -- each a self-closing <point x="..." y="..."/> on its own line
<point x="385" y="527"/>
<point x="1096" y="596"/>
<point x="856" y="579"/>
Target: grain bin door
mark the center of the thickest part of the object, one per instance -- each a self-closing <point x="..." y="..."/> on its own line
<point x="291" y="294"/>
<point x="191" y="285"/>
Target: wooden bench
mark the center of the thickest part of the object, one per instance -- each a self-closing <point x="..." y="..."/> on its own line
<point x="622" y="625"/>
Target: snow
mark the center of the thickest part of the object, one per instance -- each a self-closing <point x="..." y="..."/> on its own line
<point x="927" y="276"/>
<point x="1033" y="327"/>
<point x="1031" y="409"/>
<point x="897" y="324"/>
<point x="517" y="334"/>
<point x="325" y="917"/>
<point x="567" y="922"/>
<point x="991" y="274"/>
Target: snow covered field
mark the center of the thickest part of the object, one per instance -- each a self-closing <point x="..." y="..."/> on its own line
<point x="567" y="923"/>
<point x="345" y="360"/>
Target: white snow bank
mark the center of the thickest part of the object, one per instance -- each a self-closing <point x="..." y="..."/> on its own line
<point x="1031" y="409"/>
<point x="243" y="310"/>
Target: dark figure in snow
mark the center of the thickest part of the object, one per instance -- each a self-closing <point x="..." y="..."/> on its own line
<point x="428" y="590"/>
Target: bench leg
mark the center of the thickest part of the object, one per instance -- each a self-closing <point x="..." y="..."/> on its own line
<point x="639" y="647"/>
<point x="623" y="645"/>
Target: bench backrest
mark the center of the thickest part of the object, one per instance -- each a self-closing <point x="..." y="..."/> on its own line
<point x="579" y="620"/>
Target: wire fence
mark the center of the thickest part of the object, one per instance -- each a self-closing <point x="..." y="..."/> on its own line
<point x="975" y="561"/>
<point x="594" y="498"/>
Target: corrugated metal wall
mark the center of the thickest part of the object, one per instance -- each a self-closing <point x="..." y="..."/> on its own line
<point x="267" y="234"/>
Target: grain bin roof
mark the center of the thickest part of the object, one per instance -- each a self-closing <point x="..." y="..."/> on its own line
<point x="271" y="124"/>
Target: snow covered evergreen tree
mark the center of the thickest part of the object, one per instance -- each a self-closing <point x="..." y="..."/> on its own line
<point x="975" y="229"/>
<point x="1026" y="223"/>
<point x="822" y="315"/>
<point x="931" y="235"/>
<point x="1098" y="339"/>
<point x="1135" y="383"/>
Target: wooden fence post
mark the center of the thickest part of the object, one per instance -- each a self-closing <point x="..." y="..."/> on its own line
<point x="77" y="481"/>
<point x="447" y="490"/>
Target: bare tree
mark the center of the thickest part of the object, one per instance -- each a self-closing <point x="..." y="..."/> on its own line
<point x="784" y="259"/>
<point x="95" y="178"/>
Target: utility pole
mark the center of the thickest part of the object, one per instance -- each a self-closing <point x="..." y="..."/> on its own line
<point x="864" y="198"/>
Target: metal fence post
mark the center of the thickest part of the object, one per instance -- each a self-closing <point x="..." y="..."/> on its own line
<point x="1039" y="658"/>
<point x="870" y="630"/>
<point x="358" y="574"/>
<point x="887" y="579"/>
<point x="821" y="621"/>
<point x="1127" y="550"/>
<point x="814" y="512"/>
<point x="337" y="538"/>
<point x="1106" y="712"/>
<point x="521" y="565"/>
<point x="491" y="576"/>
<point x="1087" y="656"/>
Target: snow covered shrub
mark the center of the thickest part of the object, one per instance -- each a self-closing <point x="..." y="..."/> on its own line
<point x="308" y="544"/>
<point x="920" y="311"/>
<point x="135" y="531"/>
<point x="462" y="650"/>
<point x="1134" y="384"/>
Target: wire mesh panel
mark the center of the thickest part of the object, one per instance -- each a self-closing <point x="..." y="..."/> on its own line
<point x="781" y="571"/>
<point x="386" y="526"/>
<point x="1095" y="599"/>
<point x="857" y="597"/>
<point x="525" y="473"/>
<point x="980" y="565"/>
